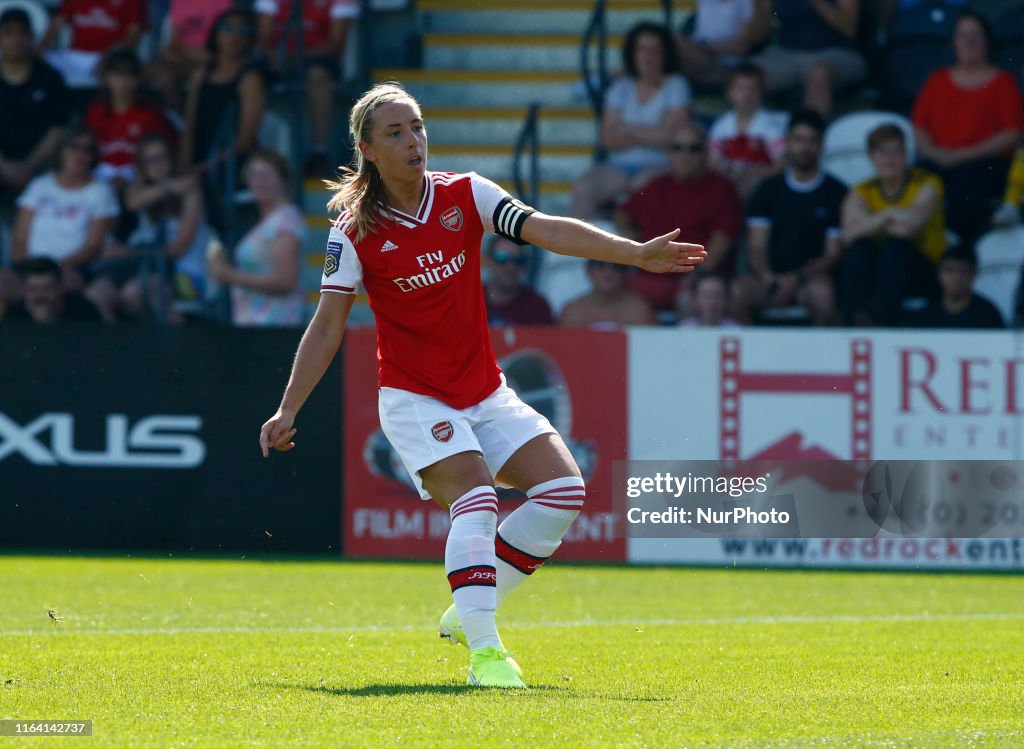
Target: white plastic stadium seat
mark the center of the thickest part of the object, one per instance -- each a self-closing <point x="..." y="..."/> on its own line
<point x="845" y="151"/>
<point x="1000" y="255"/>
<point x="37" y="15"/>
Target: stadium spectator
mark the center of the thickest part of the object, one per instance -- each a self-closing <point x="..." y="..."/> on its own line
<point x="45" y="300"/>
<point x="957" y="306"/>
<point x="167" y="247"/>
<point x="97" y="27"/>
<point x="895" y="231"/>
<point x="264" y="277"/>
<point x="122" y="115"/>
<point x="33" y="105"/>
<point x="703" y="204"/>
<point x="641" y="110"/>
<point x="610" y="303"/>
<point x="793" y="236"/>
<point x="747" y="143"/>
<point x="186" y="50"/>
<point x="66" y="215"/>
<point x="724" y="33"/>
<point x="967" y="120"/>
<point x="325" y="28"/>
<point x="710" y="304"/>
<point x="229" y="85"/>
<point x="815" y="47"/>
<point x="510" y="301"/>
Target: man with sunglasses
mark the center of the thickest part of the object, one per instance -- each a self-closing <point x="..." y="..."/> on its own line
<point x="702" y="203"/>
<point x="509" y="300"/>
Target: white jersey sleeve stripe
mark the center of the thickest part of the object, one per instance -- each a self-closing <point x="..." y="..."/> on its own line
<point x="486" y="195"/>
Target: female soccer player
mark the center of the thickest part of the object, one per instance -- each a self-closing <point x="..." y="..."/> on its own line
<point x="412" y="238"/>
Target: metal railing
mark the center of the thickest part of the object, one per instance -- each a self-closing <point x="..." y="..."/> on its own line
<point x="527" y="148"/>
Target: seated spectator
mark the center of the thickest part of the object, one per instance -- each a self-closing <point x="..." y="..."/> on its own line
<point x="748" y="141"/>
<point x="229" y="81"/>
<point x="710" y="304"/>
<point x="702" y="204"/>
<point x="168" y="244"/>
<point x="509" y="300"/>
<point x="793" y="234"/>
<point x="641" y="109"/>
<point x="895" y="232"/>
<point x="122" y="115"/>
<point x="325" y="27"/>
<point x="33" y="105"/>
<point x="264" y="277"/>
<point x="97" y="27"/>
<point x="45" y="299"/>
<point x="957" y="306"/>
<point x="815" y="48"/>
<point x="185" y="52"/>
<point x="65" y="215"/>
<point x="610" y="304"/>
<point x="724" y="33"/>
<point x="967" y="121"/>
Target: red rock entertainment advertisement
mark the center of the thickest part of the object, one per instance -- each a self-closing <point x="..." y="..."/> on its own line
<point x="576" y="379"/>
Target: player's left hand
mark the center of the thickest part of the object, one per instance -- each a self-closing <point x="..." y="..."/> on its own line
<point x="663" y="255"/>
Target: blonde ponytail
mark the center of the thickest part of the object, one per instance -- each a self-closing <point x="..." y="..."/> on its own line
<point x="361" y="190"/>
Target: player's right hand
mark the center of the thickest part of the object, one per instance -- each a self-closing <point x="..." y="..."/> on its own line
<point x="277" y="433"/>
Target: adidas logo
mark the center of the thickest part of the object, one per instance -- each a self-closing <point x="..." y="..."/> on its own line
<point x="389" y="246"/>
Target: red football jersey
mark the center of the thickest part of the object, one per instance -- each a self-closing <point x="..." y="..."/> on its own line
<point x="118" y="133"/>
<point x="98" y="24"/>
<point x="317" y="16"/>
<point x="422" y="276"/>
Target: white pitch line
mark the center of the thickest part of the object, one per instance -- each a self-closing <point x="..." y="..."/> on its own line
<point x="896" y="618"/>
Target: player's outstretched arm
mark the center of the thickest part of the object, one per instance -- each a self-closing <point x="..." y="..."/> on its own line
<point x="567" y="236"/>
<point x="317" y="348"/>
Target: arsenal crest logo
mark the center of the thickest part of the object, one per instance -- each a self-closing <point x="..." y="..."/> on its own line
<point x="452" y="219"/>
<point x="442" y="431"/>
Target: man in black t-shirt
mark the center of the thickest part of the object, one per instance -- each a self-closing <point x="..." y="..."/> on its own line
<point x="793" y="234"/>
<point x="45" y="301"/>
<point x="958" y="306"/>
<point x="34" y="105"/>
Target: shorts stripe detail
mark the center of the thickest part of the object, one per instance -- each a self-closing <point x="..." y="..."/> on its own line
<point x="482" y="575"/>
<point x="517" y="558"/>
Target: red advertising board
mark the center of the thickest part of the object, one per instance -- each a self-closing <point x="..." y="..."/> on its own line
<point x="577" y="378"/>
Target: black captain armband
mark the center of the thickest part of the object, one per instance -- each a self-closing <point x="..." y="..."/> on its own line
<point x="509" y="216"/>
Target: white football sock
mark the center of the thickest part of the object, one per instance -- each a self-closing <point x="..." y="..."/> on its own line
<point x="469" y="563"/>
<point x="533" y="532"/>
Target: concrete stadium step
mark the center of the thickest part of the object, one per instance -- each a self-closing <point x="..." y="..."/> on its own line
<point x="558" y="163"/>
<point x="448" y="125"/>
<point x="509" y="51"/>
<point x="540" y="16"/>
<point x="488" y="88"/>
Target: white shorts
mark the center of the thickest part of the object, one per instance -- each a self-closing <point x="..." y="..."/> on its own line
<point x="424" y="430"/>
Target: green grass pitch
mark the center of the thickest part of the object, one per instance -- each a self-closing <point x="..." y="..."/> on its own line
<point x="243" y="652"/>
